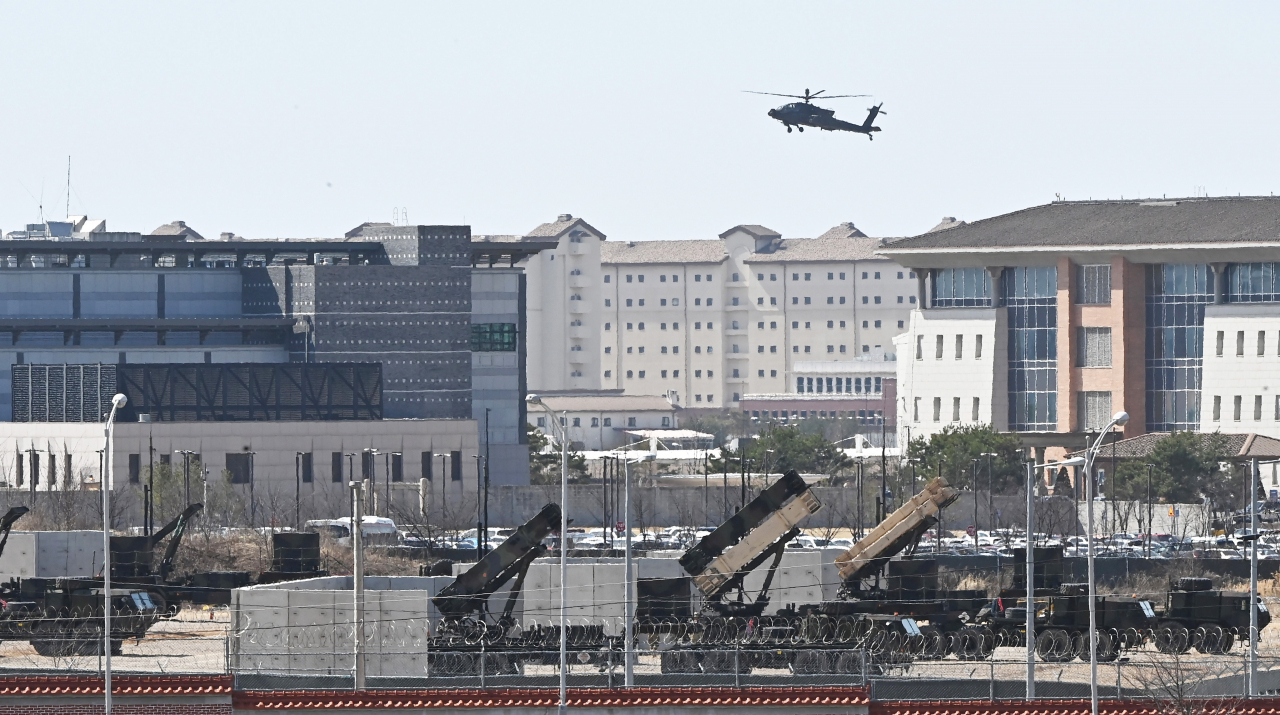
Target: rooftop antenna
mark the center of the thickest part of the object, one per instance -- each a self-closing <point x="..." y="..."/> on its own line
<point x="68" y="187"/>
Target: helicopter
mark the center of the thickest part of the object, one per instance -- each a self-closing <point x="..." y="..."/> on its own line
<point x="806" y="114"/>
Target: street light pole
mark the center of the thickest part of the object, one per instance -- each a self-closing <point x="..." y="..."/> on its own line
<point x="1031" y="568"/>
<point x="1119" y="420"/>
<point x="564" y="540"/>
<point x="1151" y="531"/>
<point x="107" y="483"/>
<point x="974" y="469"/>
<point x="297" y="491"/>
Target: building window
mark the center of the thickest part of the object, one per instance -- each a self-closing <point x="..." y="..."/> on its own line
<point x="807" y="276"/>
<point x="841" y="300"/>
<point x="335" y="466"/>
<point x="831" y="348"/>
<point x="961" y="287"/>
<point x="977" y="402"/>
<point x="1262" y="343"/>
<point x="937" y="409"/>
<point x="628" y="374"/>
<point x="628" y="278"/>
<point x="608" y="326"/>
<point x="641" y="373"/>
<point x="697" y="278"/>
<point x="955" y="409"/>
<point x="577" y="421"/>
<point x="608" y="373"/>
<point x="1235" y="412"/>
<point x="608" y="422"/>
<point x="640" y="326"/>
<point x="1219" y="343"/>
<point x="1240" y="343"/>
<point x="919" y="347"/>
<point x="1175" y="302"/>
<point x="977" y="344"/>
<point x="1217" y="408"/>
<point x="937" y="348"/>
<point x="1094" y="347"/>
<point x="1253" y="282"/>
<point x="1031" y="297"/>
<point x="877" y="300"/>
<point x="959" y="347"/>
<point x="735" y="277"/>
<point x="1094" y="285"/>
<point x="135" y="468"/>
<point x="915" y="410"/>
<point x="595" y="421"/>
<point x="238" y="464"/>
<point x="773" y="373"/>
<point x="666" y="421"/>
<point x="608" y="278"/>
<point x="877" y="323"/>
<point x="773" y="301"/>
<point x="1257" y="408"/>
<point x="493" y="337"/>
<point x="900" y="324"/>
<point x="1095" y="410"/>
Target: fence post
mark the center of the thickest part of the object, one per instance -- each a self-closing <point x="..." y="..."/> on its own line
<point x="737" y="672"/>
<point x="991" y="681"/>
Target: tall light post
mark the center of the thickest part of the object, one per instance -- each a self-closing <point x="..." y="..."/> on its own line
<point x="117" y="402"/>
<point x="628" y="601"/>
<point x="186" y="472"/>
<point x="1031" y="566"/>
<point x="1118" y="420"/>
<point x="991" y="487"/>
<point x="481" y="535"/>
<point x="1151" y="531"/>
<point x="297" y="491"/>
<point x="564" y="538"/>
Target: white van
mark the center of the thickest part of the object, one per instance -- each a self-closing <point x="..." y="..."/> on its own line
<point x="375" y="530"/>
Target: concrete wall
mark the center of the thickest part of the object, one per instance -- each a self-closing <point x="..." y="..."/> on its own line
<point x="52" y="553"/>
<point x="1247" y="373"/>
<point x="308" y="626"/>
<point x="943" y="378"/>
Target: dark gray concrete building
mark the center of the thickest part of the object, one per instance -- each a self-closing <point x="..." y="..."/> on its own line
<point x="438" y="312"/>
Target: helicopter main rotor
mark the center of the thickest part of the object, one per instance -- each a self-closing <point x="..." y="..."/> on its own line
<point x="808" y="96"/>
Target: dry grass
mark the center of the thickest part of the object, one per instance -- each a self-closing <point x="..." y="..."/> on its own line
<point x="252" y="552"/>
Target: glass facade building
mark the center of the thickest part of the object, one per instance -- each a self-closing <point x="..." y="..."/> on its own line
<point x="1253" y="283"/>
<point x="1176" y="298"/>
<point x="962" y="288"/>
<point x="1031" y="297"/>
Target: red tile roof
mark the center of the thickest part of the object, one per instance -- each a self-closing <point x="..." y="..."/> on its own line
<point x="523" y="697"/>
<point x="120" y="685"/>
<point x="1257" y="706"/>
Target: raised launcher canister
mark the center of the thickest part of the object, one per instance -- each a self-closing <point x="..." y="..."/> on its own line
<point x="901" y="529"/>
<point x="737" y="547"/>
<point x="469" y="594"/>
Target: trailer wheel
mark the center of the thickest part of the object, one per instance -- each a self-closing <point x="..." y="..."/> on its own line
<point x="934" y="643"/>
<point x="1107" y="650"/>
<point x="975" y="643"/>
<point x="1172" y="638"/>
<point x="1210" y="641"/>
<point x="1079" y="646"/>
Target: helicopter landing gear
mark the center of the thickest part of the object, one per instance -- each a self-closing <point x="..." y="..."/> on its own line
<point x="801" y="129"/>
<point x="788" y="128"/>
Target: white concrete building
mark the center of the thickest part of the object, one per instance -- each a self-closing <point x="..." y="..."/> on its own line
<point x="596" y="421"/>
<point x="1048" y="320"/>
<point x="705" y="322"/>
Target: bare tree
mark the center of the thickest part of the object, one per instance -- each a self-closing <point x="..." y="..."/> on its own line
<point x="1177" y="684"/>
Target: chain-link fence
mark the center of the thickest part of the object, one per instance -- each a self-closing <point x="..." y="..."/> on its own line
<point x="192" y="641"/>
<point x="279" y="649"/>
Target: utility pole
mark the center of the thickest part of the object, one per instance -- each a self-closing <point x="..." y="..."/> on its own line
<point x="357" y="581"/>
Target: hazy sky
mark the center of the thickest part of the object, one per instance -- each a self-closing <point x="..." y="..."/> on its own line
<point x="304" y="119"/>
